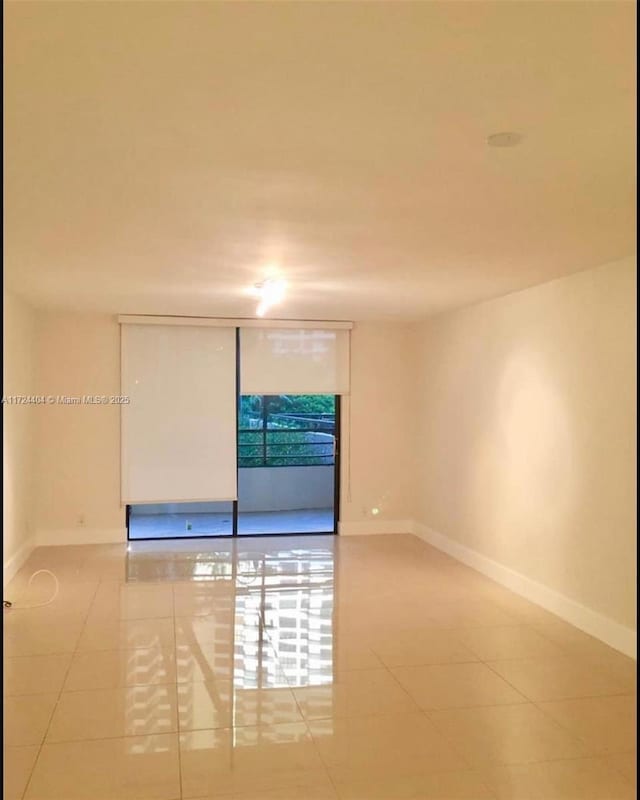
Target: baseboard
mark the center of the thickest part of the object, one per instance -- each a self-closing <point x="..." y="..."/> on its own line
<point x="48" y="536"/>
<point x="13" y="564"/>
<point x="369" y="527"/>
<point x="607" y="630"/>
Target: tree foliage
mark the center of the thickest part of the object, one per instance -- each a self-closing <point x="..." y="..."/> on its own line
<point x="286" y="444"/>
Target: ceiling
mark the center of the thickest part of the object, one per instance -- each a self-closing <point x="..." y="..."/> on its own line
<point x="163" y="157"/>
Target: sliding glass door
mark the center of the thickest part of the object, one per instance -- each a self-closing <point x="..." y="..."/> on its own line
<point x="287" y="464"/>
<point x="257" y="452"/>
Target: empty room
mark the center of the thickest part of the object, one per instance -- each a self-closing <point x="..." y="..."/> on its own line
<point x="319" y="400"/>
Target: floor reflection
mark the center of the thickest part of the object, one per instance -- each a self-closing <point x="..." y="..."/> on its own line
<point x="251" y="617"/>
<point x="302" y="669"/>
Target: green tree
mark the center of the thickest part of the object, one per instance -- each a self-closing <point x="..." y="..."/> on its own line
<point x="285" y="443"/>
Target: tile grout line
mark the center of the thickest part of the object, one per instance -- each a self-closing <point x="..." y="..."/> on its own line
<point x="175" y="659"/>
<point x="555" y="700"/>
<point x="480" y="767"/>
<point x="75" y="652"/>
<point x="568" y="730"/>
<point x="396" y="679"/>
<point x="53" y="711"/>
<point x="304" y="720"/>
<point x="617" y="770"/>
<point x="527" y="701"/>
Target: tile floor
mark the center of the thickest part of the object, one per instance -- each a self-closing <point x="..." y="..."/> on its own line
<point x="365" y="668"/>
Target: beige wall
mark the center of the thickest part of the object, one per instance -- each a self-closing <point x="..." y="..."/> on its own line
<point x="527" y="434"/>
<point x="17" y="432"/>
<point x="78" y="454"/>
<point x="78" y="465"/>
<point x="377" y="437"/>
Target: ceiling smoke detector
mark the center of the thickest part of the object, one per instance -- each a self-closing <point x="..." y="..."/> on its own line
<point x="506" y="139"/>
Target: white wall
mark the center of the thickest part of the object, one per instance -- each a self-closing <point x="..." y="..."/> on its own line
<point x="377" y="436"/>
<point x="285" y="488"/>
<point x="78" y="454"/>
<point x="17" y="433"/>
<point x="527" y="435"/>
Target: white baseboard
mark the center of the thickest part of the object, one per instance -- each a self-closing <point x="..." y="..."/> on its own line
<point x="592" y="622"/>
<point x="49" y="536"/>
<point x="369" y="527"/>
<point x="13" y="564"/>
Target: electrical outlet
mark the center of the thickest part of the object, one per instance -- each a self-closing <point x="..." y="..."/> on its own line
<point x="81" y="520"/>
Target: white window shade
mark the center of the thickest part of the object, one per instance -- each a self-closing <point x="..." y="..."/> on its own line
<point x="179" y="427"/>
<point x="294" y="361"/>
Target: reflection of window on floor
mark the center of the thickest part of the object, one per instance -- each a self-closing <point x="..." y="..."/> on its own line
<point x="273" y="627"/>
<point x="193" y="567"/>
<point x="289" y="646"/>
<point x="295" y="612"/>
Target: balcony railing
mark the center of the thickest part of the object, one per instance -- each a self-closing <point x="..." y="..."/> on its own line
<point x="310" y="443"/>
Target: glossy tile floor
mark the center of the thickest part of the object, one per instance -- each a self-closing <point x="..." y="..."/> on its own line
<point x="363" y="668"/>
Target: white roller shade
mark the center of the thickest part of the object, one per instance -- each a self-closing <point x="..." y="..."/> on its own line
<point x="179" y="427"/>
<point x="294" y="361"/>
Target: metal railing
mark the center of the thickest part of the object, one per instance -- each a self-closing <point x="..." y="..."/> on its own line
<point x="313" y="445"/>
<point x="319" y="422"/>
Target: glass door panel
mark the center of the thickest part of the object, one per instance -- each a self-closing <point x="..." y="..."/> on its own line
<point x="287" y="460"/>
<point x="179" y="520"/>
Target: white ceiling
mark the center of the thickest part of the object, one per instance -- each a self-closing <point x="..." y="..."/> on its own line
<point x="163" y="157"/>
